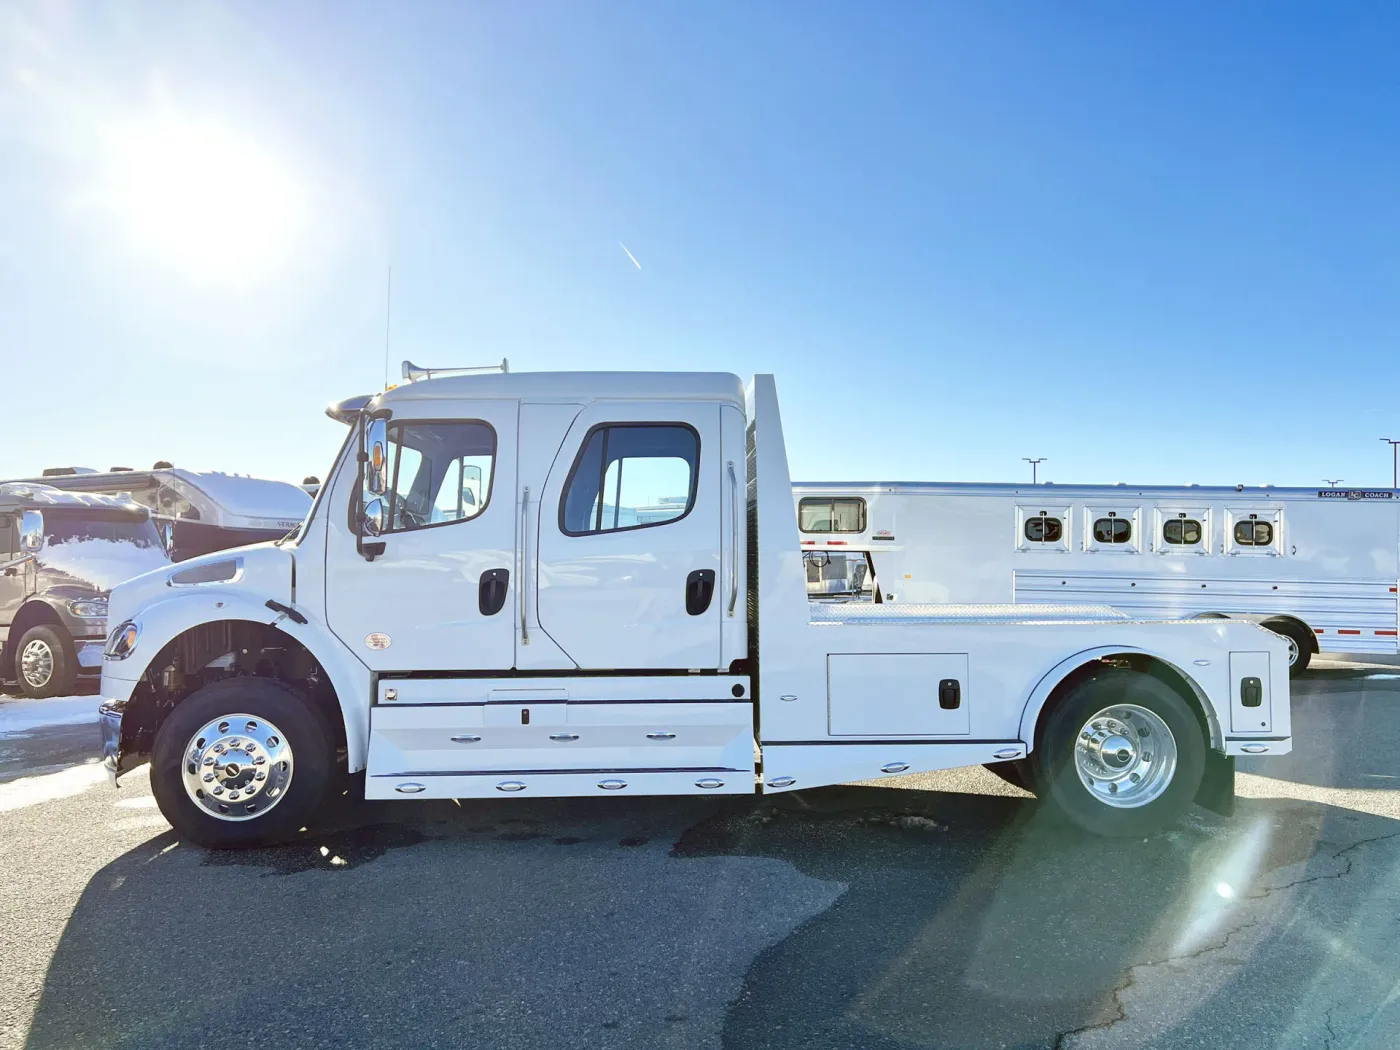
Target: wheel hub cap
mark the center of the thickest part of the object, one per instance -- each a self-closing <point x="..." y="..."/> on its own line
<point x="36" y="663"/>
<point x="1126" y="756"/>
<point x="237" y="767"/>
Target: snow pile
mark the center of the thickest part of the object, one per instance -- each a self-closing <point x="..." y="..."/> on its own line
<point x="21" y="715"/>
<point x="102" y="563"/>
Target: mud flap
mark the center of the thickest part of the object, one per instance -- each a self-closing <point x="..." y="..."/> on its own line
<point x="1217" y="790"/>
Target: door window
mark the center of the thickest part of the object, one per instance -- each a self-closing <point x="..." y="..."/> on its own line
<point x="8" y="532"/>
<point x="631" y="476"/>
<point x="439" y="473"/>
<point x="823" y="514"/>
<point x="1044" y="529"/>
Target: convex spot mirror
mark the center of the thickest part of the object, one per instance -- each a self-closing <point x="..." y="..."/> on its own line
<point x="376" y="458"/>
<point x="31" y="532"/>
<point x="374" y="521"/>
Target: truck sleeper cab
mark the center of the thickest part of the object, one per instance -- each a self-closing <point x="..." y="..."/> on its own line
<point x="563" y="584"/>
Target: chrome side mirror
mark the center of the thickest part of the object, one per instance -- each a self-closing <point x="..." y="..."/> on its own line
<point x="375" y="519"/>
<point x="31" y="532"/>
<point x="377" y="457"/>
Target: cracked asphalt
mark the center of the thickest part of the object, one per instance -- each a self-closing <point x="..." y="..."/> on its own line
<point x="931" y="911"/>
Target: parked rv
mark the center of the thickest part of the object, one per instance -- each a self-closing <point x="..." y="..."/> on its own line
<point x="60" y="554"/>
<point x="674" y="655"/>
<point x="204" y="510"/>
<point x="1317" y="566"/>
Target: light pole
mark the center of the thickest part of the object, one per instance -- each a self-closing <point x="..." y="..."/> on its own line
<point x="1395" y="461"/>
<point x="1332" y="483"/>
<point x="1034" y="464"/>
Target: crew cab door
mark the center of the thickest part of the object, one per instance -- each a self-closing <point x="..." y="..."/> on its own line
<point x="441" y="595"/>
<point x="624" y="559"/>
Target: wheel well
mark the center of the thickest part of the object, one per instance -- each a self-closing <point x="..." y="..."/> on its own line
<point x="213" y="651"/>
<point x="1141" y="662"/>
<point x="30" y="615"/>
<point x="1292" y="621"/>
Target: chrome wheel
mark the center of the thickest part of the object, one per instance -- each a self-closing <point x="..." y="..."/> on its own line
<point x="36" y="663"/>
<point x="1292" y="648"/>
<point x="1126" y="756"/>
<point x="237" y="767"/>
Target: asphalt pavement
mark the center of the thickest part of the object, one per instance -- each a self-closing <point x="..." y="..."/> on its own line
<point x="933" y="911"/>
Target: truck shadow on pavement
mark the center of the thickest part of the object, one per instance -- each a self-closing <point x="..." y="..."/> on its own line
<point x="847" y="917"/>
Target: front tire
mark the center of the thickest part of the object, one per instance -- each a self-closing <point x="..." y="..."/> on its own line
<point x="45" y="662"/>
<point x="1121" y="755"/>
<point x="242" y="762"/>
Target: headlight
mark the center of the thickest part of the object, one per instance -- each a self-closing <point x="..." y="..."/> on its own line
<point x="122" y="641"/>
<point x="89" y="609"/>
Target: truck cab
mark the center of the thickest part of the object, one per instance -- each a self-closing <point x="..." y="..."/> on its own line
<point x="60" y="555"/>
<point x="568" y="584"/>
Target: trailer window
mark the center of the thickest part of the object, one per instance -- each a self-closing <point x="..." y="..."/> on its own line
<point x="824" y="514"/>
<point x="1113" y="529"/>
<point x="1182" y="531"/>
<point x="439" y="473"/>
<point x="1044" y="529"/>
<point x="1254" y="533"/>
<point x="631" y="476"/>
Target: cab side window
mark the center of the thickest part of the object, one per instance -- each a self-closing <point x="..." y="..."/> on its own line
<point x="9" y="537"/>
<point x="439" y="473"/>
<point x="631" y="476"/>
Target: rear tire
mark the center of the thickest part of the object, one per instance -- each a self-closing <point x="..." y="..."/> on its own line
<point x="1300" y="644"/>
<point x="46" y="663"/>
<point x="208" y="755"/>
<point x="1121" y="755"/>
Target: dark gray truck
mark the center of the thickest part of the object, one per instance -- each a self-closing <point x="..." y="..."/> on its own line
<point x="60" y="555"/>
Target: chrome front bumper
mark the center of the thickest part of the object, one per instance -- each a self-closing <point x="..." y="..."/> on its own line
<point x="109" y="721"/>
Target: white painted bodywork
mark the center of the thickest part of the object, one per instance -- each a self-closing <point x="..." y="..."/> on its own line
<point x="1333" y="563"/>
<point x="594" y="679"/>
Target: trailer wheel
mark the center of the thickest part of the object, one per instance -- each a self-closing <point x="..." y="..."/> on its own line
<point x="1122" y="755"/>
<point x="45" y="663"/>
<point x="242" y="762"/>
<point x="1300" y="644"/>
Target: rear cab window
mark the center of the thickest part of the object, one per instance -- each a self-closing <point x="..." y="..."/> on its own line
<point x="631" y="476"/>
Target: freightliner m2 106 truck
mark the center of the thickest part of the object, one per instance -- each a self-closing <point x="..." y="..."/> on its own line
<point x="566" y="584"/>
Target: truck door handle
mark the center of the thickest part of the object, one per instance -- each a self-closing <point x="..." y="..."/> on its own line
<point x="1251" y="692"/>
<point x="491" y="594"/>
<point x="949" y="694"/>
<point x="699" y="589"/>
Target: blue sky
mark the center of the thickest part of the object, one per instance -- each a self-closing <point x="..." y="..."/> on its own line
<point x="1152" y="242"/>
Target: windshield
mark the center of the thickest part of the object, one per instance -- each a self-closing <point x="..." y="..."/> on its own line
<point x="70" y="528"/>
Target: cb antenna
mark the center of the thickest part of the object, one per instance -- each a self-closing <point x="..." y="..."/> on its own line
<point x="388" y="311"/>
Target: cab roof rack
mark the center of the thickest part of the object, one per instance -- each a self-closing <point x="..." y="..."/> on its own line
<point x="417" y="373"/>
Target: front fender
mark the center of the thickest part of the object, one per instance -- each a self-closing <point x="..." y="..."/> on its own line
<point x="1035" y="703"/>
<point x="165" y="620"/>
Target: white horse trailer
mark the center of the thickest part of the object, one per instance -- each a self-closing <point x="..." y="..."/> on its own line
<point x="1319" y="566"/>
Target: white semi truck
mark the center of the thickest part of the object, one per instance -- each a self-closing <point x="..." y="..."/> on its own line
<point x="547" y="638"/>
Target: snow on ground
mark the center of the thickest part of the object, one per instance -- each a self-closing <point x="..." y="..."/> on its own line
<point x="30" y="791"/>
<point x="18" y="715"/>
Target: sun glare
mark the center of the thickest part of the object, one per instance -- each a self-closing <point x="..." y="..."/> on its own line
<point x="198" y="197"/>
